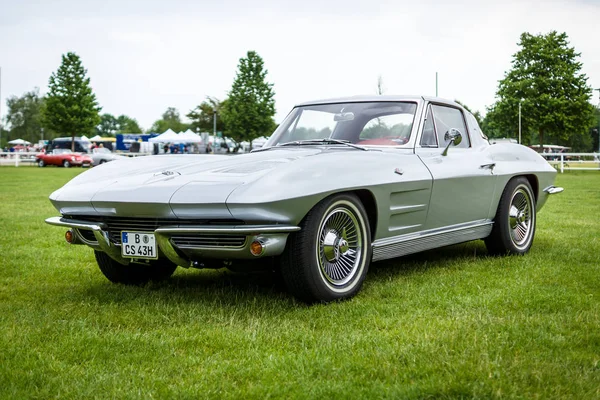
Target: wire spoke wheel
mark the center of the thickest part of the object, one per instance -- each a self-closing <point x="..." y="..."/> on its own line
<point x="514" y="223"/>
<point x="328" y="259"/>
<point x="340" y="246"/>
<point x="520" y="217"/>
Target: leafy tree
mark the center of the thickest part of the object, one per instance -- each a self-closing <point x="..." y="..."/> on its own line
<point x="111" y="125"/>
<point x="128" y="125"/>
<point x="202" y="116"/>
<point x="170" y="120"/>
<point x="24" y="116"/>
<point x="71" y="106"/>
<point x="546" y="79"/>
<point x="250" y="107"/>
<point x="108" y="125"/>
<point x="3" y="137"/>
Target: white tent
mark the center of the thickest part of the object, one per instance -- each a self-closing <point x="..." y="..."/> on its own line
<point x="167" y="136"/>
<point x="19" y="141"/>
<point x="96" y="138"/>
<point x="189" y="137"/>
<point x="85" y="138"/>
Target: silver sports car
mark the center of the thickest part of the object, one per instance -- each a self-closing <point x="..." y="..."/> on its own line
<point x="339" y="184"/>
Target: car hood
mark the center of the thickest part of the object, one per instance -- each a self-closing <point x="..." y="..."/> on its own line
<point x="181" y="186"/>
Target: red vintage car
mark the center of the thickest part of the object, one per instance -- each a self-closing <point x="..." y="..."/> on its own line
<point x="63" y="157"/>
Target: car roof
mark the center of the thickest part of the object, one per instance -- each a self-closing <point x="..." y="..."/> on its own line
<point x="379" y="98"/>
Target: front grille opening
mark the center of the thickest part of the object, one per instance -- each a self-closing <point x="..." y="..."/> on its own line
<point x="209" y="240"/>
<point x="117" y="224"/>
<point x="87" y="235"/>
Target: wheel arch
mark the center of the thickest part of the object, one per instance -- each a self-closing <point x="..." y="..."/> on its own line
<point x="367" y="199"/>
<point x="533" y="181"/>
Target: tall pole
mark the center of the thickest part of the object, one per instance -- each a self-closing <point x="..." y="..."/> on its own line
<point x="520" y="121"/>
<point x="598" y="120"/>
<point x="215" y="123"/>
<point x="0" y="108"/>
<point x="436" y="84"/>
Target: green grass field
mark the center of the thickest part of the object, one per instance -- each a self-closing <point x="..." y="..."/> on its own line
<point x="451" y="323"/>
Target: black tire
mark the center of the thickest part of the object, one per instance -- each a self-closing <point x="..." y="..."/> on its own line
<point x="133" y="274"/>
<point x="66" y="164"/>
<point x="41" y="163"/>
<point x="329" y="257"/>
<point x="514" y="224"/>
<point x="102" y="161"/>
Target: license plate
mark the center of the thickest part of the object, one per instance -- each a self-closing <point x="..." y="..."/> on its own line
<point x="138" y="245"/>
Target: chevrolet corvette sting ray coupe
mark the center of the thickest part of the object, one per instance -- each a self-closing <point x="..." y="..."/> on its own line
<point x="339" y="184"/>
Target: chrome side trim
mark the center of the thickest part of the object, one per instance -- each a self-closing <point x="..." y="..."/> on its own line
<point x="104" y="243"/>
<point x="416" y="242"/>
<point x="236" y="229"/>
<point x="553" y="189"/>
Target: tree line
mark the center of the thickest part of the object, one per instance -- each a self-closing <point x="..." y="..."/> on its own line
<point x="545" y="82"/>
<point x="70" y="108"/>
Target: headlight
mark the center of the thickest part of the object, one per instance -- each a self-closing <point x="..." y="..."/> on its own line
<point x="72" y="158"/>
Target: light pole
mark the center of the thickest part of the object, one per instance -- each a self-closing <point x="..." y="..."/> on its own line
<point x="598" y="121"/>
<point x="215" y="122"/>
<point x="0" y="107"/>
<point x="520" y="120"/>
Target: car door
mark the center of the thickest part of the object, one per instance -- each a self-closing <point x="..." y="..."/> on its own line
<point x="463" y="179"/>
<point x="50" y="159"/>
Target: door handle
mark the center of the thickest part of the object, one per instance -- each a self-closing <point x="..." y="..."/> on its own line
<point x="488" y="166"/>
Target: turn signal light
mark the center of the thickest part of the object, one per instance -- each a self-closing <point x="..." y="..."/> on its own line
<point x="256" y="248"/>
<point x="69" y="236"/>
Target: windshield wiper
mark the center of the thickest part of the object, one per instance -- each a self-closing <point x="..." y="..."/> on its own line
<point x="323" y="141"/>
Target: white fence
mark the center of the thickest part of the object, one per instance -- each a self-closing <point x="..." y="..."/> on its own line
<point x="27" y="159"/>
<point x="573" y="161"/>
<point x="18" y="158"/>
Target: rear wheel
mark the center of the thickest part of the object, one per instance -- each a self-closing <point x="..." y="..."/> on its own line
<point x="66" y="164"/>
<point x="329" y="257"/>
<point x="133" y="274"/>
<point x="41" y="163"/>
<point x="514" y="224"/>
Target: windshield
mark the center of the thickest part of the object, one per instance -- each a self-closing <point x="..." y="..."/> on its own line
<point x="375" y="123"/>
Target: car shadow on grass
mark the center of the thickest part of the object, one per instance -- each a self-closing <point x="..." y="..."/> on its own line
<point x="219" y="288"/>
<point x="226" y="288"/>
<point x="429" y="260"/>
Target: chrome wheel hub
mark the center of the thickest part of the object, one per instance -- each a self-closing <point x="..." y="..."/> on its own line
<point x="334" y="246"/>
<point x="339" y="246"/>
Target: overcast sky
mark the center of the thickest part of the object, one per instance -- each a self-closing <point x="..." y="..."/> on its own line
<point x="145" y="56"/>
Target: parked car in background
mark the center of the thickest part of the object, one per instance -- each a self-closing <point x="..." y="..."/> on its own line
<point x="81" y="145"/>
<point x="339" y="184"/>
<point x="101" y="155"/>
<point x="63" y="158"/>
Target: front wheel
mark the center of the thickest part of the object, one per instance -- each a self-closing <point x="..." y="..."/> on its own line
<point x="329" y="257"/>
<point x="514" y="224"/>
<point x="133" y="274"/>
<point x="66" y="164"/>
<point x="41" y="163"/>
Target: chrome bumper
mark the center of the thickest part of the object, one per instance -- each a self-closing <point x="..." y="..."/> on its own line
<point x="272" y="238"/>
<point x="553" y="189"/>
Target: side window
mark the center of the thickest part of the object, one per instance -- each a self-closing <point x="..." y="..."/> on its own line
<point x="447" y="118"/>
<point x="429" y="138"/>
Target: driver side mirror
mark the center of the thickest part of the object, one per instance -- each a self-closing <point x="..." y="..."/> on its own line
<point x="454" y="137"/>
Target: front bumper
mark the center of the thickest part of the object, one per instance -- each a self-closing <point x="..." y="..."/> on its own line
<point x="172" y="241"/>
